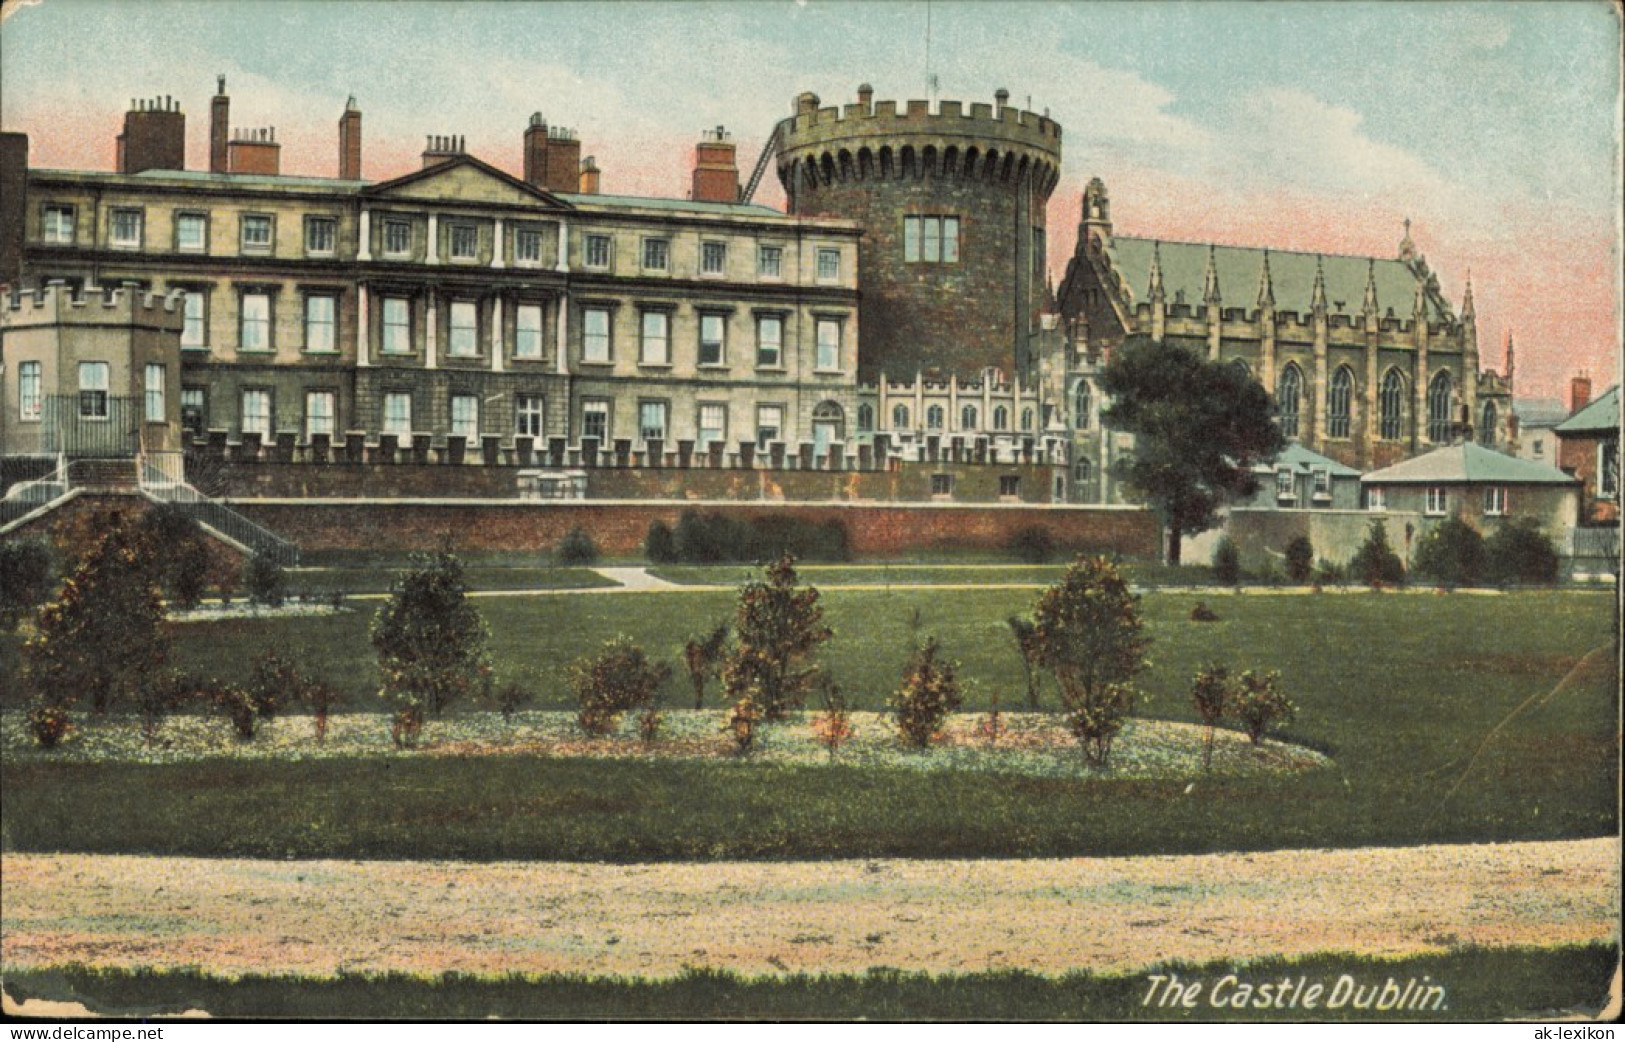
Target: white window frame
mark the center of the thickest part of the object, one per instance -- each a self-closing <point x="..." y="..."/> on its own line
<point x="713" y="346"/>
<point x="395" y="317"/>
<point x="1322" y="483"/>
<point x="599" y="409"/>
<point x="597" y="252"/>
<point x="465" y="417"/>
<point x="249" y="225"/>
<point x="828" y="264"/>
<point x="899" y="417"/>
<point x="527" y="247"/>
<point x="1437" y="501"/>
<point x="247" y="320"/>
<point x="942" y="486"/>
<point x="321" y="335"/>
<point x="936" y="417"/>
<point x="59" y="224"/>
<point x="197" y="221"/>
<point x="529" y="415"/>
<point x="596" y="345"/>
<point x="769" y="432"/>
<point x="1286" y="484"/>
<point x="463" y="329"/>
<point x="1009" y="487"/>
<point x="125" y="227"/>
<point x="654" y="342"/>
<point x="770" y="345"/>
<point x="653" y="408"/>
<point x="249" y="419"/>
<point x="95" y="378"/>
<point x="1376" y="499"/>
<point x="713" y="258"/>
<point x="527" y="331"/>
<point x="195" y="320"/>
<point x="1495" y="501"/>
<point x="1608" y="476"/>
<point x="317" y="229"/>
<point x="463" y="242"/>
<point x="715" y="431"/>
<point x="321" y="413"/>
<point x="655" y="249"/>
<point x="397" y="418"/>
<point x="392" y="224"/>
<point x="828" y="358"/>
<point x="30" y="391"/>
<point x="770" y="261"/>
<point x="152" y="392"/>
<point x="195" y="398"/>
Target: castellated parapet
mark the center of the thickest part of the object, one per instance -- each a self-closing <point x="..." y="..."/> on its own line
<point x="56" y="303"/>
<point x="938" y="297"/>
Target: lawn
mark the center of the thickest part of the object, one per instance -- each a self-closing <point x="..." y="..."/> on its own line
<point x="1403" y="692"/>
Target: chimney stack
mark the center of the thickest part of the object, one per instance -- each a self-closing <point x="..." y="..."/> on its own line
<point x="154" y="137"/>
<point x="866" y="95"/>
<point x="350" y="142"/>
<point x="552" y="156"/>
<point x="254" y="151"/>
<point x="589" y="176"/>
<point x="441" y="147"/>
<point x="219" y="121"/>
<point x="716" y="173"/>
<point x="1579" y="392"/>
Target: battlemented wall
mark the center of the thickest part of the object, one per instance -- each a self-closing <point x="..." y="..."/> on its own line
<point x="991" y="166"/>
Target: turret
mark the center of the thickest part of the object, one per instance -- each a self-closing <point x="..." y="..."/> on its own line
<point x="1096" y="224"/>
<point x="1317" y="296"/>
<point x="1369" y="306"/>
<point x="1266" y="286"/>
<point x="1154" y="292"/>
<point x="1210" y="284"/>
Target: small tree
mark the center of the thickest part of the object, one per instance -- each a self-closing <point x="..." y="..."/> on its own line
<point x="703" y="656"/>
<point x="660" y="546"/>
<point x="510" y="699"/>
<point x="25" y="579"/>
<point x="322" y="699"/>
<point x="265" y="581"/>
<point x="1025" y="632"/>
<point x="742" y="723"/>
<point x="1092" y="638"/>
<point x="1519" y="552"/>
<point x="1375" y="562"/>
<point x="833" y="726"/>
<point x="431" y="643"/>
<point x="1300" y="559"/>
<point x="617" y="680"/>
<point x="1226" y="562"/>
<point x="160" y="696"/>
<point x="1260" y="704"/>
<point x="274" y="684"/>
<point x="1211" y="695"/>
<point x="576" y="549"/>
<point x="1451" y="553"/>
<point x="181" y="553"/>
<point x="928" y="696"/>
<point x="779" y="626"/>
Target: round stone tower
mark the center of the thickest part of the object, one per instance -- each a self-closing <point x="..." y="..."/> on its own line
<point x="952" y="203"/>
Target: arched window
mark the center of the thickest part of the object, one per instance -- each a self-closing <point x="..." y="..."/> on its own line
<point x="1486" y="425"/>
<point x="1242" y="367"/>
<point x="1439" y="409"/>
<point x="967" y="418"/>
<point x="1288" y="390"/>
<point x="866" y="417"/>
<point x="933" y="418"/>
<point x="1001" y="418"/>
<point x="1391" y="406"/>
<point x="1027" y="419"/>
<point x="1081" y="403"/>
<point x="1083" y="470"/>
<point x="1339" y="399"/>
<point x="899" y="417"/>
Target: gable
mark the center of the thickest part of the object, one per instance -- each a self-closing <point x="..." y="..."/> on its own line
<point x="466" y="180"/>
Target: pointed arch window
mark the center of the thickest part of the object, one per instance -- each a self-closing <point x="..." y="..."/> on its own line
<point x="1288" y="391"/>
<point x="934" y="418"/>
<point x="1391" y="405"/>
<point x="1339" y="399"/>
<point x="1439" y="395"/>
<point x="899" y="417"/>
<point x="1082" y="401"/>
<point x="1486" y="425"/>
<point x="866" y="417"/>
<point x="968" y="418"/>
<point x="1001" y="418"/>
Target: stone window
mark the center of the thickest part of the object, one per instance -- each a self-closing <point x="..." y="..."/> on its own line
<point x="1439" y="418"/>
<point x="465" y="416"/>
<point x="769" y="424"/>
<point x="397" y="238"/>
<point x="194" y="410"/>
<point x="934" y="418"/>
<point x="1495" y="500"/>
<point x="152" y="389"/>
<point x="1338" y="403"/>
<point x="254" y="333"/>
<point x="30" y="392"/>
<point x="654" y="346"/>
<point x="256" y="233"/>
<point x="1437" y="500"/>
<point x="320" y="410"/>
<point x="931" y="239"/>
<point x="256" y="418"/>
<point x="770" y="261"/>
<point x="1323" y="483"/>
<point x="321" y="235"/>
<point x="595" y="420"/>
<point x="595" y="335"/>
<point x="195" y="324"/>
<point x="713" y="258"/>
<point x="1083" y="470"/>
<point x="527" y="330"/>
<point x="829" y="265"/>
<point x="398" y="413"/>
<point x="94" y="383"/>
<point x="712" y="348"/>
<point x="57" y="227"/>
<point x="1027" y="419"/>
<point x="829" y="345"/>
<point x="1082" y="405"/>
<point x="967" y="418"/>
<point x="465" y="242"/>
<point x="656" y="254"/>
<point x="899" y="417"/>
<point x="769" y="341"/>
<point x="527" y="246"/>
<point x="1285" y="486"/>
<point x="866" y="417"/>
<point x="1391" y="405"/>
<point x="125" y="229"/>
<point x="1486" y="425"/>
<point x="1009" y="486"/>
<point x="529" y="411"/>
<point x="321" y="316"/>
<point x="942" y="485"/>
<point x="191" y="232"/>
<point x="1288" y="394"/>
<point x="1001" y="418"/>
<point x="597" y="251"/>
<point x="397" y="325"/>
<point x="713" y="425"/>
<point x="652" y="421"/>
<point x="464" y="321"/>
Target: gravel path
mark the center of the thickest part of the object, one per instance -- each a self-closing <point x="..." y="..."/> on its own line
<point x="316" y="917"/>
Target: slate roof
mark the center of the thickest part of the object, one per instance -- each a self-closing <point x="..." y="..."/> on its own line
<point x="208" y="177"/>
<point x="675" y="205"/>
<point x="1304" y="460"/>
<point x="1539" y="412"/>
<point x="1184" y="267"/>
<point x="1468" y="464"/>
<point x="1600" y="416"/>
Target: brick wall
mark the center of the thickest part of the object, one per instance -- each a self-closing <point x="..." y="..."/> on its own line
<point x="620" y="527"/>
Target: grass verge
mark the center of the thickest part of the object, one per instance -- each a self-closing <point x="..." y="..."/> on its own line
<point x="1477" y="984"/>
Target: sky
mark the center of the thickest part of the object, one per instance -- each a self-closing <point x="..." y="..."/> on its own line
<point x="1494" y="125"/>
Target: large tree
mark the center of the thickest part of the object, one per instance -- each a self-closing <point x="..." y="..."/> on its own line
<point x="1199" y="428"/>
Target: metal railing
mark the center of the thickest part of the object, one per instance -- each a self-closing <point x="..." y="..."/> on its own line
<point x="163" y="477"/>
<point x="91" y="424"/>
<point x="1601" y="541"/>
<point x="26" y="497"/>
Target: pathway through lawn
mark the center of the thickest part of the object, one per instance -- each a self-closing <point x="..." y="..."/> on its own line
<point x="317" y="917"/>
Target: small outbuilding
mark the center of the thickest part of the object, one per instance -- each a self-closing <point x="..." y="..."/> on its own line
<point x="1479" y="485"/>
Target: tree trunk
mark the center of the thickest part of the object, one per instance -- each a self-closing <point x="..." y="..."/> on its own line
<point x="1173" y="546"/>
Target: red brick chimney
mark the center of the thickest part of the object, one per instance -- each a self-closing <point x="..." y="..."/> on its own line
<point x="350" y="142"/>
<point x="219" y="127"/>
<point x="1579" y="393"/>
<point x="254" y="151"/>
<point x="552" y="156"/>
<point x="154" y="137"/>
<point x="589" y="176"/>
<point x="716" y="172"/>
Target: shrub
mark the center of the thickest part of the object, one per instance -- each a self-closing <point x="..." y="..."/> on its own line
<point x="703" y="656"/>
<point x="1260" y="704"/>
<point x="928" y="696"/>
<point x="188" y="574"/>
<point x="1025" y="632"/>
<point x="322" y="699"/>
<point x="618" y="679"/>
<point x="1518" y="551"/>
<point x="1375" y="562"/>
<point x="1211" y="694"/>
<point x="660" y="545"/>
<point x="161" y="695"/>
<point x="510" y="699"/>
<point x="992" y="726"/>
<point x="431" y="643"/>
<point x="1032" y="544"/>
<point x="274" y="683"/>
<point x="695" y="540"/>
<point x="49" y="723"/>
<point x="25" y="579"/>
<point x="649" y="723"/>
<point x="1328" y="573"/>
<point x="1226" y="562"/>
<point x="576" y="548"/>
<point x="238" y="707"/>
<point x="265" y="581"/>
<point x="181" y="553"/>
<point x="1202" y="613"/>
<point x="1451" y="553"/>
<point x="1300" y="559"/>
<point x="742" y="723"/>
<point x="779" y="626"/>
<point x="715" y="538"/>
<point x="1092" y="638"/>
<point x="832" y="727"/>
